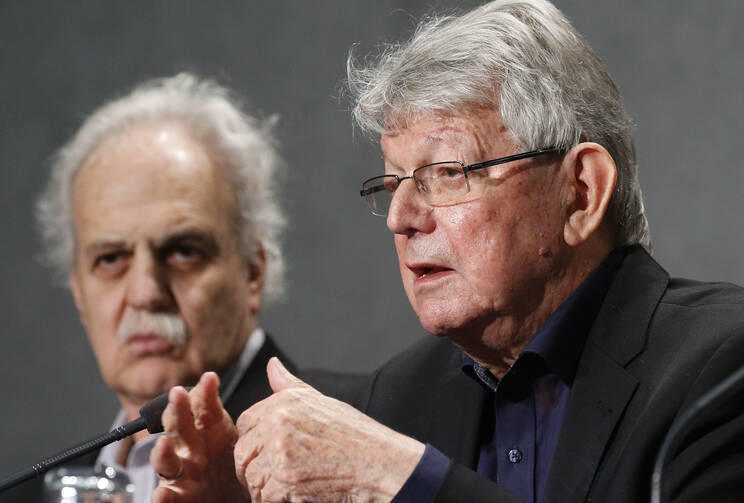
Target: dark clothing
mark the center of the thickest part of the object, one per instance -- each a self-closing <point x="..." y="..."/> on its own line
<point x="656" y="345"/>
<point x="526" y="407"/>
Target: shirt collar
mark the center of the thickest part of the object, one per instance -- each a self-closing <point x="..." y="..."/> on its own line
<point x="231" y="378"/>
<point x="559" y="341"/>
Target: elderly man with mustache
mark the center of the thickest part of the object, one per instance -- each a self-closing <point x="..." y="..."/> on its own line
<point x="161" y="213"/>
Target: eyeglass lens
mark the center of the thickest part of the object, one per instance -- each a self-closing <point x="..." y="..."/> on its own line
<point x="439" y="184"/>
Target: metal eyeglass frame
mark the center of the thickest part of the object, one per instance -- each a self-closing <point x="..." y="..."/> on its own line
<point x="465" y="170"/>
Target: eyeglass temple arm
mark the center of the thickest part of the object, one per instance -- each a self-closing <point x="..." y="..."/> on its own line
<point x="515" y="157"/>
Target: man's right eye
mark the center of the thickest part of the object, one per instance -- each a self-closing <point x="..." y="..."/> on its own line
<point x="445" y="171"/>
<point x="108" y="258"/>
<point x="109" y="262"/>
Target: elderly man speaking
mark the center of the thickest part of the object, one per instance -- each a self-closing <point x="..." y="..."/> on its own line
<point x="562" y="352"/>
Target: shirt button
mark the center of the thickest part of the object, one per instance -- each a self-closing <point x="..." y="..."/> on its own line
<point x="515" y="455"/>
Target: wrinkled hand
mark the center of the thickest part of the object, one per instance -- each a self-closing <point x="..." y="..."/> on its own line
<point x="195" y="457"/>
<point x="299" y="445"/>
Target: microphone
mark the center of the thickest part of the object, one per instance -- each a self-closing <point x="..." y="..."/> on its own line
<point x="150" y="418"/>
<point x="706" y="404"/>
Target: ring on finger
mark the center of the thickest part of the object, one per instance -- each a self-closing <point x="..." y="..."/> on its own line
<point x="171" y="479"/>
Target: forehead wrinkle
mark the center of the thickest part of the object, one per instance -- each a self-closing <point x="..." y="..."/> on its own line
<point x="445" y="134"/>
<point x="471" y="137"/>
<point x="479" y="149"/>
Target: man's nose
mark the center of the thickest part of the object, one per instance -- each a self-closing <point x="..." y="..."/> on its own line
<point x="408" y="212"/>
<point x="148" y="287"/>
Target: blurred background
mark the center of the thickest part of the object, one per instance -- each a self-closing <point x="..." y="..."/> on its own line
<point x="678" y="64"/>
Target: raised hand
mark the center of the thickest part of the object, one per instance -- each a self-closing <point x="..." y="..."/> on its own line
<point x="195" y="457"/>
<point x="299" y="445"/>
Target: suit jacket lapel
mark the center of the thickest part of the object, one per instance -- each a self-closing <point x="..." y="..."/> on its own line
<point x="602" y="388"/>
<point x="438" y="404"/>
<point x="458" y="432"/>
<point x="254" y="385"/>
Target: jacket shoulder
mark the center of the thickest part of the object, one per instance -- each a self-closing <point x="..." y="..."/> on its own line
<point x="428" y="358"/>
<point x="698" y="294"/>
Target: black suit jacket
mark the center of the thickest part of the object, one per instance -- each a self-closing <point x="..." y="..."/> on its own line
<point x="657" y="345"/>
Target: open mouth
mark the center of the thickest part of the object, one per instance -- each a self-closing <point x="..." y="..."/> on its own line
<point x="428" y="271"/>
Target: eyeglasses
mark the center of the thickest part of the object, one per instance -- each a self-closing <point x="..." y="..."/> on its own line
<point x="440" y="183"/>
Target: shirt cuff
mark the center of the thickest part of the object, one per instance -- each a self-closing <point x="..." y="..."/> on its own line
<point x="426" y="479"/>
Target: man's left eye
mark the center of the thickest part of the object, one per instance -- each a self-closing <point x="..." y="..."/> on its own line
<point x="185" y="255"/>
<point x="110" y="263"/>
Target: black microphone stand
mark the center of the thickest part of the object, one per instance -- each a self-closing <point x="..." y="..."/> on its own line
<point x="676" y="434"/>
<point x="151" y="415"/>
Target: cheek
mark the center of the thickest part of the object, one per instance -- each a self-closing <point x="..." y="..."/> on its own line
<point x="104" y="347"/>
<point x="200" y="306"/>
<point x="401" y="243"/>
<point x="101" y="316"/>
<point x="492" y="246"/>
<point x="476" y="238"/>
<point x="210" y="309"/>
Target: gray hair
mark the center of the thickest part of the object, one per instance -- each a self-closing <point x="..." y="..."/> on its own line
<point x="244" y="143"/>
<point x="526" y="60"/>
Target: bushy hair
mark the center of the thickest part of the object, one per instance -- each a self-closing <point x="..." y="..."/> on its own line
<point x="244" y="144"/>
<point x="523" y="58"/>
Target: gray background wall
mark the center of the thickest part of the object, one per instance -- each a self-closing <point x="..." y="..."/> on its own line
<point x="678" y="64"/>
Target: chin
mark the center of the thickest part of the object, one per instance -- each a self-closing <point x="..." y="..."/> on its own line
<point x="437" y="327"/>
<point x="438" y="318"/>
<point x="154" y="379"/>
<point x="156" y="386"/>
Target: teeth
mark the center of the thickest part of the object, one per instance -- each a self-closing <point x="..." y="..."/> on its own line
<point x="426" y="272"/>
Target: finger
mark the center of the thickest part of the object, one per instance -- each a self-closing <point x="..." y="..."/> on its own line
<point x="247" y="420"/>
<point x="247" y="449"/>
<point x="206" y="405"/>
<point x="257" y="487"/>
<point x="164" y="459"/>
<point x="179" y="423"/>
<point x="163" y="494"/>
<point x="280" y="378"/>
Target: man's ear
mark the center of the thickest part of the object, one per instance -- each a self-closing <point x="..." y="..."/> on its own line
<point x="592" y="176"/>
<point x="256" y="275"/>
<point x="77" y="295"/>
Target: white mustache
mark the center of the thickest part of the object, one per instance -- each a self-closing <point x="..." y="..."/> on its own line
<point x="427" y="250"/>
<point x="167" y="326"/>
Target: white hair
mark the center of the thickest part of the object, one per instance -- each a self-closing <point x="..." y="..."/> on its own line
<point x="525" y="59"/>
<point x="243" y="143"/>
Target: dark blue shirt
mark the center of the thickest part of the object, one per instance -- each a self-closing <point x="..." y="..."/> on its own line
<point x="524" y="412"/>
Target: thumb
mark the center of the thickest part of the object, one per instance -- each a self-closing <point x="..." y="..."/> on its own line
<point x="280" y="378"/>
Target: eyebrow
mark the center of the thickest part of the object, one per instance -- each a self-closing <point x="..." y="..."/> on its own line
<point x="97" y="247"/>
<point x="193" y="234"/>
